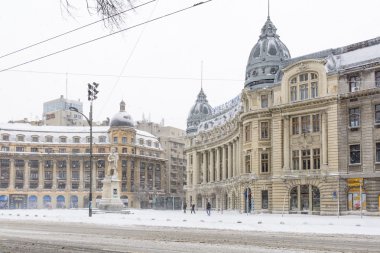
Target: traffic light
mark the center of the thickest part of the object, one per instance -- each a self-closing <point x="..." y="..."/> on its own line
<point x="92" y="91"/>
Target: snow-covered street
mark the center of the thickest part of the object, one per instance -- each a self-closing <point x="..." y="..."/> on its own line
<point x="352" y="224"/>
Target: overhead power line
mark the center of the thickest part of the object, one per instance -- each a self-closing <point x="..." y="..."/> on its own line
<point x="74" y="30"/>
<point x="105" y="36"/>
<point x="128" y="76"/>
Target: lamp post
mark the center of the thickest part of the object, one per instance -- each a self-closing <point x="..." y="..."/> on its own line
<point x="92" y="91"/>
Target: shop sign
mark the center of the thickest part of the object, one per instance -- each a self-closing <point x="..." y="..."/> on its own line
<point x="354" y="182"/>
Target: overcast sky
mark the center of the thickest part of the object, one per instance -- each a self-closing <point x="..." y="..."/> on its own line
<point x="160" y="63"/>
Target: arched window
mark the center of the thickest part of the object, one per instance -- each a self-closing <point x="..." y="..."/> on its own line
<point x="303" y="86"/>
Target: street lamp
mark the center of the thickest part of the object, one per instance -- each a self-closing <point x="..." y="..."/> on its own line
<point x="92" y="91"/>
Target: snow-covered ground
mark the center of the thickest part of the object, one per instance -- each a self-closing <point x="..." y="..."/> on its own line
<point x="366" y="225"/>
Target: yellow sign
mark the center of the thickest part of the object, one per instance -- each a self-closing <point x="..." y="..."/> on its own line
<point x="354" y="182"/>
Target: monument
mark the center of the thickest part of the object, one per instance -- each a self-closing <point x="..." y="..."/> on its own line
<point x="111" y="186"/>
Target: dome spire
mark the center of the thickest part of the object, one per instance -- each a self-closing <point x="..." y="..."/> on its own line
<point x="122" y="106"/>
<point x="268" y="10"/>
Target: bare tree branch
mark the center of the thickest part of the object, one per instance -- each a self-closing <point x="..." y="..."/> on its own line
<point x="106" y="9"/>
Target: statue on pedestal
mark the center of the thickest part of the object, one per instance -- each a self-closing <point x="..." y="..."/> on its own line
<point x="112" y="166"/>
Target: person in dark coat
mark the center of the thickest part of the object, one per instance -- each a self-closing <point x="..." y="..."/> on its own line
<point x="208" y="208"/>
<point x="193" y="208"/>
<point x="184" y="207"/>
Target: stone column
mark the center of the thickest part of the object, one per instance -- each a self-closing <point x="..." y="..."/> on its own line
<point x="26" y="175"/>
<point x="217" y="150"/>
<point x="234" y="160"/>
<point x="224" y="162"/>
<point x="204" y="167"/>
<point x="54" y="186"/>
<point x="68" y="176"/>
<point x="286" y="147"/>
<point x="41" y="167"/>
<point x="230" y="151"/>
<point x="212" y="166"/>
<point x="12" y="174"/>
<point x="188" y="162"/>
<point x="81" y="176"/>
<point x="195" y="168"/>
<point x="324" y="139"/>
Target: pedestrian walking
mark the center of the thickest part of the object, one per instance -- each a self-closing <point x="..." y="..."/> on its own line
<point x="184" y="207"/>
<point x="193" y="208"/>
<point x="208" y="208"/>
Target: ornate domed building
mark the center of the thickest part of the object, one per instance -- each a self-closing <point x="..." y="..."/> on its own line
<point x="49" y="167"/>
<point x="302" y="137"/>
<point x="200" y="110"/>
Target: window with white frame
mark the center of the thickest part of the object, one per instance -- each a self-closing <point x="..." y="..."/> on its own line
<point x="377" y="78"/>
<point x="49" y="138"/>
<point x="264" y="101"/>
<point x="295" y="160"/>
<point x="315" y="122"/>
<point x="102" y="139"/>
<point x="295" y="125"/>
<point x="76" y="139"/>
<point x="377" y="114"/>
<point x="306" y="159"/>
<point x="20" y="137"/>
<point x="355" y="154"/>
<point x="354" y="83"/>
<point x="354" y="117"/>
<point x="306" y="84"/>
<point x="247" y="133"/>
<point x="35" y="138"/>
<point x="63" y="139"/>
<point x="5" y="137"/>
<point x="264" y="162"/>
<point x="305" y="124"/>
<point x="264" y="127"/>
<point x="316" y="159"/>
<point x="378" y="152"/>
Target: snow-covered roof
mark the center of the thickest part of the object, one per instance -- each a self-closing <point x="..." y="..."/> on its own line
<point x="14" y="129"/>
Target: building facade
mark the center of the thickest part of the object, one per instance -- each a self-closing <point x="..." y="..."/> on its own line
<point x="49" y="166"/>
<point x="301" y="137"/>
<point x="172" y="140"/>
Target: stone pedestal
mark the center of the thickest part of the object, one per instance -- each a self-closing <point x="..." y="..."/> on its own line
<point x="111" y="195"/>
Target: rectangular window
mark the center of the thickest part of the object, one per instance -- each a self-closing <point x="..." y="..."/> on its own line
<point x="377" y="113"/>
<point x="247" y="133"/>
<point x="264" y="162"/>
<point x="115" y="140"/>
<point x="20" y="149"/>
<point x="355" y="154"/>
<point x="5" y="137"/>
<point x="306" y="159"/>
<point x="49" y="138"/>
<point x="295" y="125"/>
<point x="75" y="150"/>
<point x="34" y="138"/>
<point x="76" y="139"/>
<point x="124" y="150"/>
<point x="305" y="124"/>
<point x="314" y="89"/>
<point x="296" y="160"/>
<point x="248" y="163"/>
<point x="304" y="91"/>
<point x="354" y="82"/>
<point x="102" y="139"/>
<point x="377" y="78"/>
<point x="4" y="148"/>
<point x="20" y="137"/>
<point x="124" y="140"/>
<point x="264" y="199"/>
<point x="62" y="139"/>
<point x="264" y="101"/>
<point x="264" y="126"/>
<point x="62" y="150"/>
<point x="101" y="150"/>
<point x="304" y="77"/>
<point x="316" y="159"/>
<point x="34" y="150"/>
<point x="293" y="93"/>
<point x="49" y="150"/>
<point x="316" y="123"/>
<point x="378" y="152"/>
<point x="354" y="115"/>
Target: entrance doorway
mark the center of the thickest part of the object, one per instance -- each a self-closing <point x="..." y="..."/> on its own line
<point x="304" y="199"/>
<point x="248" y="205"/>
